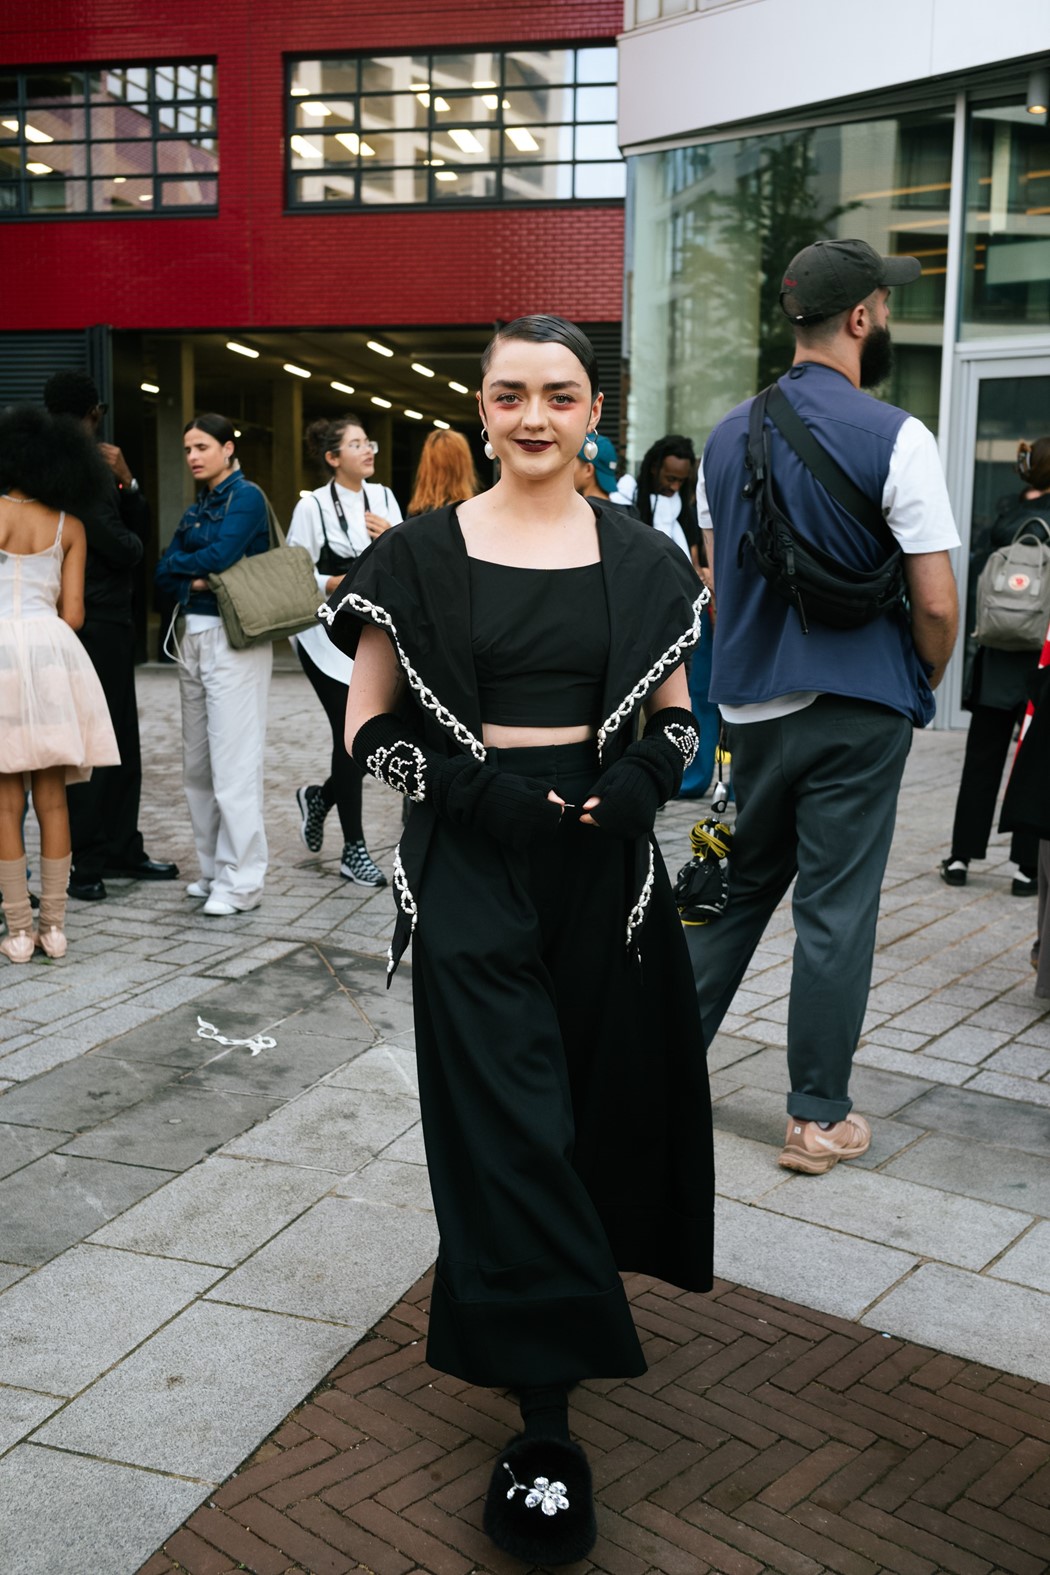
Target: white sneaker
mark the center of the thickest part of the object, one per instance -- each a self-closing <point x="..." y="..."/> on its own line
<point x="217" y="909"/>
<point x="198" y="888"/>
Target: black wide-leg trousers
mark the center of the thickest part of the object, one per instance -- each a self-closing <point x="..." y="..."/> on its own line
<point x="104" y="811"/>
<point x="987" y="747"/>
<point x="564" y="1095"/>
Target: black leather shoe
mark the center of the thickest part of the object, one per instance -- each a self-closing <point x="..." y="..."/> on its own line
<point x="87" y="890"/>
<point x="145" y="869"/>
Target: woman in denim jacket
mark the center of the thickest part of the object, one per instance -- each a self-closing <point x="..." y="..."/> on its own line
<point x="224" y="692"/>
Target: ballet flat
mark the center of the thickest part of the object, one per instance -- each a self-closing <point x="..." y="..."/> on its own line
<point x="19" y="948"/>
<point x="52" y="941"/>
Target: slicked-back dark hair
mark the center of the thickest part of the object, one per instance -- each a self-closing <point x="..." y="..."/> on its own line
<point x="52" y="459"/>
<point x="216" y="427"/>
<point x="674" y="446"/>
<point x="70" y="393"/>
<point x="541" y="329"/>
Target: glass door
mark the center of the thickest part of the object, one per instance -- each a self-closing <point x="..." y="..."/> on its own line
<point x="1004" y="399"/>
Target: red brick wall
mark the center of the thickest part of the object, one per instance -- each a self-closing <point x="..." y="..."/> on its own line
<point x="256" y="266"/>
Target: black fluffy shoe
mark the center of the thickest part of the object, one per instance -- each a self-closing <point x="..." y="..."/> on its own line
<point x="540" y="1505"/>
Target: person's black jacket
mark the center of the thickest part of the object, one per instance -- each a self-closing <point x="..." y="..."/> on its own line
<point x="116" y="524"/>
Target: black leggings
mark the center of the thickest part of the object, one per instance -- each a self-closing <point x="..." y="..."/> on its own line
<point x="343" y="787"/>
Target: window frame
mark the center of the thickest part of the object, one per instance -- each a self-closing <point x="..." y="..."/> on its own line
<point x="85" y="104"/>
<point x="498" y="166"/>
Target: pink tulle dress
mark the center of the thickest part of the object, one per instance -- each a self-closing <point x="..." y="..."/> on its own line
<point x="52" y="709"/>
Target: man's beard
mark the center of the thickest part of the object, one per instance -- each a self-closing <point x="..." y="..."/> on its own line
<point x="876" y="358"/>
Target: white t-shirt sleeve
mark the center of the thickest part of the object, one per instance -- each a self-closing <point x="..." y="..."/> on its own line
<point x="307" y="531"/>
<point x="703" y="512"/>
<point x="915" y="498"/>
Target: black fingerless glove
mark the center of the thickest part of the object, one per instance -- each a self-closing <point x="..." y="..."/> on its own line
<point x="513" y="809"/>
<point x="646" y="776"/>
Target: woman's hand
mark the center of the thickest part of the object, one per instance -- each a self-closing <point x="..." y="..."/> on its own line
<point x="333" y="583"/>
<point x="585" y="819"/>
<point x="375" y="524"/>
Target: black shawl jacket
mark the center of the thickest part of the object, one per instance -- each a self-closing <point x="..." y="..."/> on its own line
<point x="413" y="582"/>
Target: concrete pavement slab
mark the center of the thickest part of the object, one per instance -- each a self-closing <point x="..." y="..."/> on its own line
<point x="758" y="1114"/>
<point x="20" y="1145"/>
<point x="80" y="1313"/>
<point x="983" y="1319"/>
<point x="342" y="1261"/>
<point x="174" y="1127"/>
<point x="1015" y="1088"/>
<point x="390" y="1181"/>
<point x="218" y="1212"/>
<point x="79" y="1096"/>
<point x="912" y="1063"/>
<point x="1029" y="1262"/>
<point x="332" y="1128"/>
<point x="62" y="1515"/>
<point x="827" y="1270"/>
<point x="297" y="1061"/>
<point x="22" y="1410"/>
<point x="59" y="1199"/>
<point x="746" y="1170"/>
<point x="917" y="1219"/>
<point x="409" y="1147"/>
<point x="983" y="1118"/>
<point x="385" y="1068"/>
<point x="10" y="1272"/>
<point x="996" y="1175"/>
<point x="876" y="1093"/>
<point x="201" y="1393"/>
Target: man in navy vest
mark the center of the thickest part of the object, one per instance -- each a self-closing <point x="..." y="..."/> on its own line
<point x="820" y="723"/>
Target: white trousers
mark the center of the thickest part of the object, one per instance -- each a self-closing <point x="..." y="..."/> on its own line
<point x="224" y="698"/>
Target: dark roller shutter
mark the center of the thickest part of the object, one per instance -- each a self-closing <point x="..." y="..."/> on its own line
<point x="607" y="341"/>
<point x="27" y="360"/>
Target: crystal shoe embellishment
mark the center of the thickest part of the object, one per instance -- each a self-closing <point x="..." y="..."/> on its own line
<point x="550" y="1496"/>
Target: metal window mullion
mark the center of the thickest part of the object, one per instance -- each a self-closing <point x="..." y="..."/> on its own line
<point x="953" y="276"/>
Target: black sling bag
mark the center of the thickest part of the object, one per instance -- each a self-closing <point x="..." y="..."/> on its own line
<point x="818" y="586"/>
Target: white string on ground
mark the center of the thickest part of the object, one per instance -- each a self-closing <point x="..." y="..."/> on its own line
<point x="256" y="1043"/>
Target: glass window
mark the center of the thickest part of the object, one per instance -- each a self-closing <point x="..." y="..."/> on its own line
<point x="1006" y="260"/>
<point x="714" y="227"/>
<point x="145" y="135"/>
<point x="520" y="125"/>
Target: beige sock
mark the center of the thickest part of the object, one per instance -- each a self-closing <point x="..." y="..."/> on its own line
<point x="54" y="881"/>
<point x="17" y="909"/>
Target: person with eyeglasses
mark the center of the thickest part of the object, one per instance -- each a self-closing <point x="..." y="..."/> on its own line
<point x="104" y="812"/>
<point x="335" y="524"/>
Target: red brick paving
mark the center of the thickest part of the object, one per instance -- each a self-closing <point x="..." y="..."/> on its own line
<point x="763" y="1438"/>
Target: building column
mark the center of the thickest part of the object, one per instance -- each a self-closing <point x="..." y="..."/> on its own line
<point x="174" y="409"/>
<point x="287" y="450"/>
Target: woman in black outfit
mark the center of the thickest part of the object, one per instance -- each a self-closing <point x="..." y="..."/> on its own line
<point x="505" y="647"/>
<point x="997" y="694"/>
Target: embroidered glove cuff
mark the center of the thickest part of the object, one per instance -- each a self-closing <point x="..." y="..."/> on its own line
<point x="647" y="775"/>
<point x="391" y="752"/>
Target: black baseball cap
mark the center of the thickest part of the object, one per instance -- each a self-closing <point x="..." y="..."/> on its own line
<point x="834" y="276"/>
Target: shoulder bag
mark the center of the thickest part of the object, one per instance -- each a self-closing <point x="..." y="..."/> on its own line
<point x="268" y="596"/>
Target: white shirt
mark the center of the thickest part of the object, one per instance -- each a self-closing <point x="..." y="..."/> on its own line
<point x="665" y="510"/>
<point x="313" y="523"/>
<point x="917" y="510"/>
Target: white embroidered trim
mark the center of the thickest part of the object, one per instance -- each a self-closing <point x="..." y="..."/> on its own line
<point x="550" y="1496"/>
<point x="404" y="775"/>
<point x="670" y="659"/>
<point x="405" y="901"/>
<point x="636" y="917"/>
<point x="427" y="698"/>
<point x="684" y="738"/>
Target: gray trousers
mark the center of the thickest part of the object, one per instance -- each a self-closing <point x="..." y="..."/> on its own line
<point x="816" y="796"/>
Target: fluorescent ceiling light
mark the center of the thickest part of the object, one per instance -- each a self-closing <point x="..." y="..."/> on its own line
<point x="33" y="135"/>
<point x="424" y="99"/>
<point x="384" y="404"/>
<point x="522" y="139"/>
<point x="484" y="84"/>
<point x="1036" y="99"/>
<point x="490" y="100"/>
<point x="236" y="431"/>
<point x="299" y="92"/>
<point x="39" y="169"/>
<point x="367" y="152"/>
<point x="296" y="371"/>
<point x="353" y="144"/>
<point x="150" y="388"/>
<point x="145" y="199"/>
<point x="442" y="426"/>
<point x="378" y="348"/>
<point x="305" y="148"/>
<point x="315" y="107"/>
<point x="446" y="175"/>
<point x="120" y="180"/>
<point x="440" y="103"/>
<point x="465" y="140"/>
<point x="342" y="388"/>
<point x="9" y="125"/>
<point x="424" y="371"/>
<point x="458" y="388"/>
<point x="420" y="87"/>
<point x="247" y="350"/>
<point x="414" y="415"/>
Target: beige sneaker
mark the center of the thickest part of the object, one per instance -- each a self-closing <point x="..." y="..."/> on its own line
<point x="810" y="1149"/>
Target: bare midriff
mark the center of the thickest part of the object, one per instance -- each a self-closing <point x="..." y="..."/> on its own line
<point x="496" y="736"/>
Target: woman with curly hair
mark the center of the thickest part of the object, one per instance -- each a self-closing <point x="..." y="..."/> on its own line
<point x="446" y="473"/>
<point x="507" y="648"/>
<point x="54" y="721"/>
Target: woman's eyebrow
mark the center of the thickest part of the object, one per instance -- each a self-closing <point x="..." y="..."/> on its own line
<point x="548" y="388"/>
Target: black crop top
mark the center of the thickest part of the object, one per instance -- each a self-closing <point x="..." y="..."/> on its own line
<point x="541" y="643"/>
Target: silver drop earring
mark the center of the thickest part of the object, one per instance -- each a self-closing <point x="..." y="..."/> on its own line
<point x="590" y="448"/>
<point x="490" y="452"/>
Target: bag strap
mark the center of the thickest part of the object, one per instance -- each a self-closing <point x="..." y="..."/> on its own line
<point x="1025" y="529"/>
<point x="828" y="472"/>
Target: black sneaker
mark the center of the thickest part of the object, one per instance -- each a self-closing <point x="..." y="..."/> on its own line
<point x="313" y="809"/>
<point x="1025" y="885"/>
<point x="357" y="865"/>
<point x="953" y="871"/>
